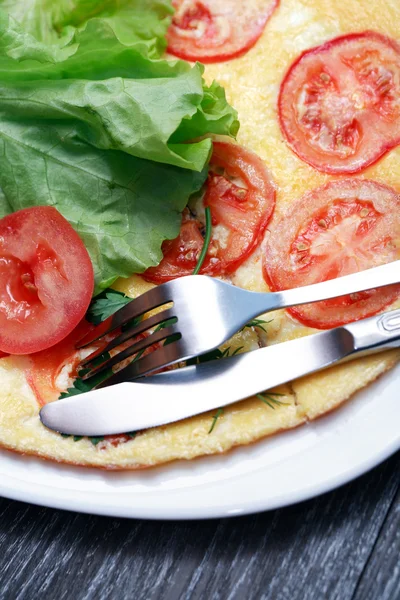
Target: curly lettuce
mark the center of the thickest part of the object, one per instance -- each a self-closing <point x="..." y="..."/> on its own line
<point x="55" y="22"/>
<point x="95" y="124"/>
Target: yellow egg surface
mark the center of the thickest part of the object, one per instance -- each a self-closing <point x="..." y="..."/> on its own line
<point x="252" y="85"/>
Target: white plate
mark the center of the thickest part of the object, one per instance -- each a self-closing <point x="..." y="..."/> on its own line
<point x="282" y="470"/>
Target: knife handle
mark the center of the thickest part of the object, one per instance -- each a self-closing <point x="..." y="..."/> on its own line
<point x="376" y="333"/>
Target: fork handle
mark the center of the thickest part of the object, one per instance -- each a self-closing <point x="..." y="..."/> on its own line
<point x="348" y="284"/>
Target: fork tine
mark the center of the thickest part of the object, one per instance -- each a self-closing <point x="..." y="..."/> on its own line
<point x="156" y="336"/>
<point x="148" y="301"/>
<point x="162" y="357"/>
<point x="129" y="333"/>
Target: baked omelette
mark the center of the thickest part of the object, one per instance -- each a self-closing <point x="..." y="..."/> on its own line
<point x="259" y="83"/>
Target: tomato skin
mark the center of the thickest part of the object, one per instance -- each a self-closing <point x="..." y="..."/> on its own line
<point x="46" y="366"/>
<point x="353" y="118"/>
<point x="212" y="31"/>
<point x="246" y="217"/>
<point x="241" y="214"/>
<point x="46" y="280"/>
<point x="343" y="227"/>
<point x="180" y="254"/>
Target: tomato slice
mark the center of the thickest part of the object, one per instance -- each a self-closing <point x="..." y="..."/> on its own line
<point x="46" y="280"/>
<point x="45" y="367"/>
<point x="217" y="30"/>
<point x="47" y="372"/>
<point x="241" y="198"/>
<point x="339" y="103"/>
<point x="341" y="228"/>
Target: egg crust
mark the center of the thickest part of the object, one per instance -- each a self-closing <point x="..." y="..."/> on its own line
<point x="252" y="84"/>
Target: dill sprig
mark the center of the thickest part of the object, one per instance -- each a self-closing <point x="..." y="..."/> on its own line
<point x="236" y="351"/>
<point x="215" y="419"/>
<point x="228" y="352"/>
<point x="207" y="239"/>
<point x="269" y="400"/>
<point x="258" y="323"/>
<point x="213" y="355"/>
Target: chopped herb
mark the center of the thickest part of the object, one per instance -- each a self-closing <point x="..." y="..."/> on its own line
<point x="225" y="353"/>
<point x="237" y="350"/>
<point x="78" y="438"/>
<point x="105" y="305"/>
<point x="228" y="353"/>
<point x="258" y="323"/>
<point x="207" y="239"/>
<point x="81" y="387"/>
<point x="215" y="419"/>
<point x="213" y="355"/>
<point x="96" y="440"/>
<point x="270" y="401"/>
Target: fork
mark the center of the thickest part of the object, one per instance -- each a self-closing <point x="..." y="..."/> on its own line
<point x="198" y="315"/>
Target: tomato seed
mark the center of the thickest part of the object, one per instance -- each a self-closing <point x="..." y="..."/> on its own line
<point x="302" y="247"/>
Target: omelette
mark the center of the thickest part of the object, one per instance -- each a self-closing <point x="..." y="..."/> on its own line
<point x="257" y="84"/>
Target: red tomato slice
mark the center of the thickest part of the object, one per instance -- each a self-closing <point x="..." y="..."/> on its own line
<point x="217" y="30"/>
<point x="341" y="228"/>
<point x="241" y="198"/>
<point x="46" y="280"/>
<point x="46" y="366"/>
<point x="339" y="103"/>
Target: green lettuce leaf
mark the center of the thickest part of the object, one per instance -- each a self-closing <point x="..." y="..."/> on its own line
<point x="117" y="96"/>
<point x="123" y="207"/>
<point x="54" y="21"/>
<point x="105" y="134"/>
<point x="131" y="20"/>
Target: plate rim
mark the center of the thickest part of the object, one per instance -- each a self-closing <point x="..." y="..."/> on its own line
<point x="351" y="414"/>
<point x="42" y="500"/>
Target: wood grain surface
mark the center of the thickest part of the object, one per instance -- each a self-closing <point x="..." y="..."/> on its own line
<point x="342" y="546"/>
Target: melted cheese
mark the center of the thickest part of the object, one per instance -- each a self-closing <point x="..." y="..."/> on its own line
<point x="252" y="85"/>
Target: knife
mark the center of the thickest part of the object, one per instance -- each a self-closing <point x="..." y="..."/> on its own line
<point x="181" y="393"/>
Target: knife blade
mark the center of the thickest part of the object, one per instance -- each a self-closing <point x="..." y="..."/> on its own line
<point x="181" y="393"/>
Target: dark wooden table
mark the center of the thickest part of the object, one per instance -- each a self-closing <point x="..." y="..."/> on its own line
<point x="344" y="545"/>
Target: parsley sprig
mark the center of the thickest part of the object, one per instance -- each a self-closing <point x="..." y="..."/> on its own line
<point x="105" y="305"/>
